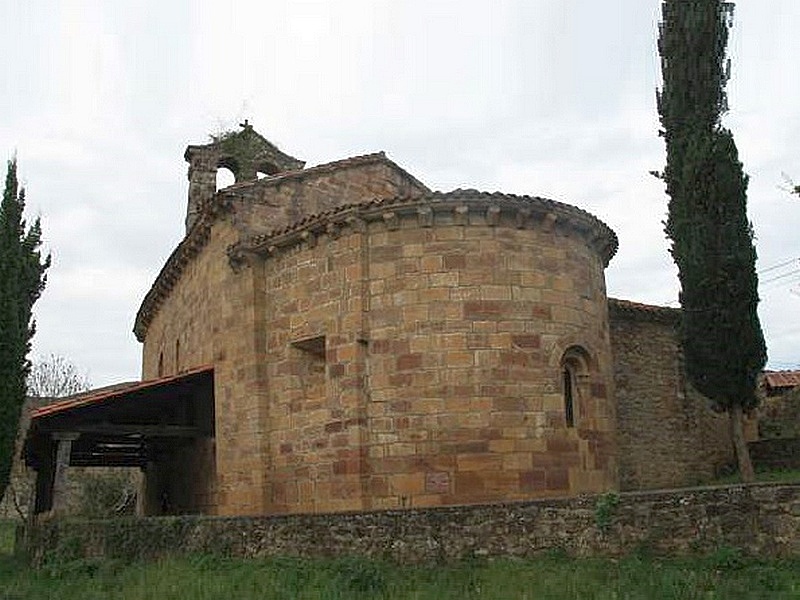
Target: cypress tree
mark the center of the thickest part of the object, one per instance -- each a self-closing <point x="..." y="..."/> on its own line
<point x="712" y="239"/>
<point x="22" y="280"/>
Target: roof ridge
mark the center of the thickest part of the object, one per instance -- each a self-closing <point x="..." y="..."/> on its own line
<point x="350" y="161"/>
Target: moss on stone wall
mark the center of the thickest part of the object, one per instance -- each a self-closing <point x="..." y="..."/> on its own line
<point x="762" y="520"/>
<point x="779" y="417"/>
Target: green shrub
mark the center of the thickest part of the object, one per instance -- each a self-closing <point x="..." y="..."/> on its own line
<point x="104" y="494"/>
<point x="604" y="510"/>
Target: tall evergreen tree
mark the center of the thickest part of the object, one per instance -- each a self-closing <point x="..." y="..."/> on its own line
<point x="22" y="280"/>
<point x="712" y="239"/>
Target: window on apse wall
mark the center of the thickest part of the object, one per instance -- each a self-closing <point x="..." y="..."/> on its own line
<point x="574" y="370"/>
<point x="569" y="396"/>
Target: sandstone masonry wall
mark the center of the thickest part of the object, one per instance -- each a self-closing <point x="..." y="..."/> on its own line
<point x="201" y="311"/>
<point x="776" y="454"/>
<point x="207" y="319"/>
<point x="314" y="375"/>
<point x="667" y="434"/>
<point x="417" y="361"/>
<point x="468" y="326"/>
<point x="274" y="203"/>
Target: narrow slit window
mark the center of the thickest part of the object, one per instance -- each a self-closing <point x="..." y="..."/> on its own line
<point x="575" y="370"/>
<point x="569" y="398"/>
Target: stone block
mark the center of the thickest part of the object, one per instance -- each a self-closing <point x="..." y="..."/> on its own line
<point x="479" y="462"/>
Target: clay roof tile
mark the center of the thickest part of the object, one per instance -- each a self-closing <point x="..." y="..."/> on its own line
<point x="782" y="379"/>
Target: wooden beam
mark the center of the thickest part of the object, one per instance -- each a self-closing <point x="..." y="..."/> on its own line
<point x="109" y="460"/>
<point x="132" y="429"/>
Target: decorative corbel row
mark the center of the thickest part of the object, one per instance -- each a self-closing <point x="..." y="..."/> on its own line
<point x="493" y="216"/>
<point x="332" y="229"/>
<point x="461" y="215"/>
<point x="357" y="224"/>
<point x="549" y="222"/>
<point x="391" y="220"/>
<point x="309" y="238"/>
<point x="425" y="216"/>
<point x="523" y="215"/>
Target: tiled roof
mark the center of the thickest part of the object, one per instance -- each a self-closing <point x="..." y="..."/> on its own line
<point x="337" y="165"/>
<point x="338" y="215"/>
<point x="100" y="395"/>
<point x="782" y="379"/>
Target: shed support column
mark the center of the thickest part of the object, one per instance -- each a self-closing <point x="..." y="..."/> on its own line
<point x="43" y="501"/>
<point x="60" y="479"/>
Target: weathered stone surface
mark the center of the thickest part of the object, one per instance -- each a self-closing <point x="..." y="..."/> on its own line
<point x="779" y="453"/>
<point x="360" y="354"/>
<point x="667" y="434"/>
<point x="377" y="345"/>
<point x="678" y="522"/>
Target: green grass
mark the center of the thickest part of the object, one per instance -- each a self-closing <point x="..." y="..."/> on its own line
<point x="726" y="574"/>
<point x="7" y="532"/>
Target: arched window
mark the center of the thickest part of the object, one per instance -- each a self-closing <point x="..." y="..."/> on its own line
<point x="574" y="374"/>
<point x="569" y="396"/>
<point x="225" y="177"/>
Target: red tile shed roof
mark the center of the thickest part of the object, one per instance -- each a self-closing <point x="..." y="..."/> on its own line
<point x="100" y="395"/>
<point x="781" y="379"/>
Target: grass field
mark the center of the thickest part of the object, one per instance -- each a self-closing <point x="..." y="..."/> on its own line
<point x="724" y="575"/>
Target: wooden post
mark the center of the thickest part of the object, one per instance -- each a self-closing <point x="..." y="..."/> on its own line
<point x="43" y="500"/>
<point x="60" y="479"/>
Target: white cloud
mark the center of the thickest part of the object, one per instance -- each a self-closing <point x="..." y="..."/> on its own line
<point x="552" y="98"/>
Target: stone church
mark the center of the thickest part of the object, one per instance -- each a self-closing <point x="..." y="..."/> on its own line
<point x="341" y="337"/>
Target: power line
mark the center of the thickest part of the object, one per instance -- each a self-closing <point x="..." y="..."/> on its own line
<point x="779" y="265"/>
<point x="782" y="276"/>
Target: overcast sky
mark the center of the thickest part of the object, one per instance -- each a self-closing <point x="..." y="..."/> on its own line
<point x="554" y="98"/>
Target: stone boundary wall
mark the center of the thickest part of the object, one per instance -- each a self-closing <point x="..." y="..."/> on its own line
<point x="759" y="519"/>
<point x="780" y="453"/>
<point x="779" y="416"/>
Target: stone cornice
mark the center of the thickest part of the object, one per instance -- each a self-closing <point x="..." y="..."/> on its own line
<point x="459" y="207"/>
<point x="173" y="268"/>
